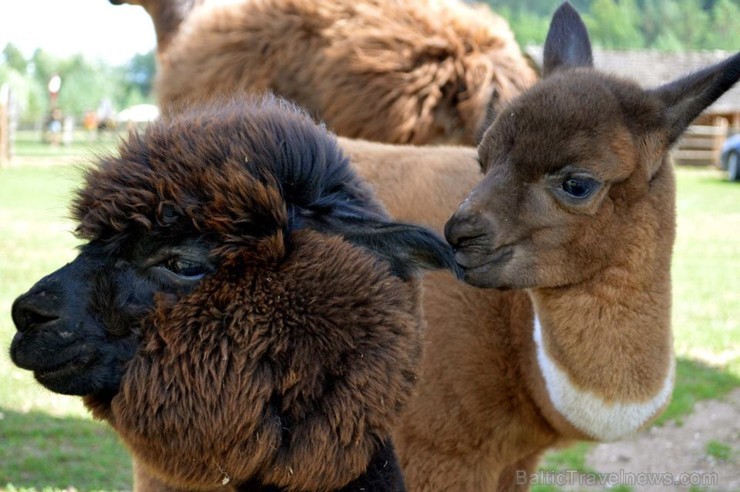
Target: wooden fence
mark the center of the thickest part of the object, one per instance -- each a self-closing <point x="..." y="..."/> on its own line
<point x="701" y="144"/>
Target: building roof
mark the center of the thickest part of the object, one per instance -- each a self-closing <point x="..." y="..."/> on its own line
<point x="652" y="68"/>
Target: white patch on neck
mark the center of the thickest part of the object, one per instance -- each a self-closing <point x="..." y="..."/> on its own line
<point x="587" y="411"/>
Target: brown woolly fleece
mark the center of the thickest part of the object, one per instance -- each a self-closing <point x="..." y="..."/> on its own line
<point x="291" y="363"/>
<point x="394" y="71"/>
<point x="293" y="374"/>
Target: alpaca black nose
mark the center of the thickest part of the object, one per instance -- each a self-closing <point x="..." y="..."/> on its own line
<point x="30" y="311"/>
<point x="466" y="226"/>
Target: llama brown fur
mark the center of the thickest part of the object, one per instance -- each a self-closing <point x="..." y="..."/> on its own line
<point x="253" y="380"/>
<point x="482" y="413"/>
<point x="586" y="282"/>
<point x="401" y="72"/>
<point x="245" y="370"/>
<point x="473" y="417"/>
<point x="229" y="316"/>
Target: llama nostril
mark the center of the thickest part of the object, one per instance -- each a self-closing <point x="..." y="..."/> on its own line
<point x="459" y="230"/>
<point x="26" y="315"/>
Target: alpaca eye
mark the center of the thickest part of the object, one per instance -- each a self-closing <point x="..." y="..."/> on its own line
<point x="579" y="187"/>
<point x="186" y="268"/>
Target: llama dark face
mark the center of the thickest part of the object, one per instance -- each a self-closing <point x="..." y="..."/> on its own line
<point x="239" y="280"/>
<point x="59" y="337"/>
<point x="79" y="326"/>
<point x="572" y="165"/>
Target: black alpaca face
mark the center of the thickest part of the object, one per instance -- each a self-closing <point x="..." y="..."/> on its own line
<point x="178" y="205"/>
<point x="79" y="326"/>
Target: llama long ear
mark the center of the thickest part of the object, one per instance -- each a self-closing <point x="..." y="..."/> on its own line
<point x="567" y="44"/>
<point x="686" y="98"/>
<point x="408" y="248"/>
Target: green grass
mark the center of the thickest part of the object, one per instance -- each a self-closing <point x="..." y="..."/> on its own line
<point x="719" y="450"/>
<point x="43" y="451"/>
<point x="570" y="458"/>
<point x="48" y="441"/>
<point x="706" y="287"/>
<point x="29" y="144"/>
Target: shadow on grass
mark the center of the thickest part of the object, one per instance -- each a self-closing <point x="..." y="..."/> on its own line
<point x="42" y="452"/>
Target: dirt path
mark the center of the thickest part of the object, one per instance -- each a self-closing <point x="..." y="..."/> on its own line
<point x="675" y="451"/>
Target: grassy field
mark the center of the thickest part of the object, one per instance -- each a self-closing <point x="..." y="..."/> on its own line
<point x="49" y="442"/>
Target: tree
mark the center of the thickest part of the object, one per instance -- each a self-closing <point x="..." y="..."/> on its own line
<point x="615" y="24"/>
<point x="631" y="24"/>
<point x="14" y="58"/>
<point x="30" y="95"/>
<point x="656" y="16"/>
<point x="85" y="84"/>
<point x="528" y="28"/>
<point x="725" y="26"/>
<point x="535" y="8"/>
<point x="140" y="71"/>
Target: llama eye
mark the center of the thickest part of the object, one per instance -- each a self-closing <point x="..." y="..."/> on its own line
<point x="579" y="187"/>
<point x="188" y="269"/>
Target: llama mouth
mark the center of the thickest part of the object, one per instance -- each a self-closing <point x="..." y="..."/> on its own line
<point x="63" y="370"/>
<point x="31" y="350"/>
<point x="72" y="378"/>
<point x="57" y="371"/>
<point x="500" y="255"/>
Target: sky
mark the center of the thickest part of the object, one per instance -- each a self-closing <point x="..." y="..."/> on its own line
<point x="94" y="28"/>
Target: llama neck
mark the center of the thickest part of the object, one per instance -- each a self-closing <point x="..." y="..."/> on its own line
<point x="604" y="346"/>
<point x="167" y="17"/>
<point x="607" y="377"/>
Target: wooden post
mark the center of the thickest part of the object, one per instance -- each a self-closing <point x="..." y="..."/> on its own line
<point x="4" y="136"/>
<point x="735" y="122"/>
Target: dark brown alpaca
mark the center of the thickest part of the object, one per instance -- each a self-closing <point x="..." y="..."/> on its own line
<point x="570" y="232"/>
<point x="418" y="72"/>
<point x="244" y="314"/>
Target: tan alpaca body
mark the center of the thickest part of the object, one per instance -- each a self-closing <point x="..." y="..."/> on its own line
<point x="482" y="409"/>
<point x="574" y="219"/>
<point x="385" y="70"/>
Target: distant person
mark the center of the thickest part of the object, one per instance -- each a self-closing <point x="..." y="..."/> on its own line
<point x="106" y="115"/>
<point x="90" y="123"/>
<point x="55" y="127"/>
<point x="68" y="130"/>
